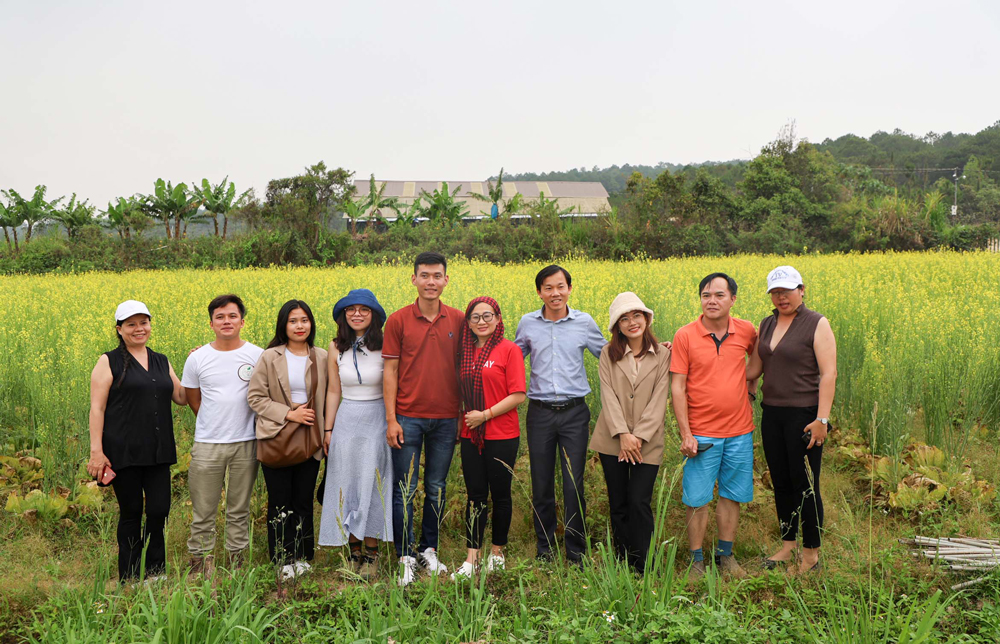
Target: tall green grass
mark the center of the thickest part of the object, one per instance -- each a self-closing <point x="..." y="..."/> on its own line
<point x="231" y="611"/>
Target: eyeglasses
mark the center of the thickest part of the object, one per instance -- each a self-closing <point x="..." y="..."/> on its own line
<point x="485" y="317"/>
<point x="358" y="310"/>
<point x="628" y="318"/>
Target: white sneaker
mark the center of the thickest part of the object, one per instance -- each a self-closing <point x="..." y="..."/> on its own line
<point x="465" y="571"/>
<point x="151" y="581"/>
<point x="430" y="561"/>
<point x="495" y="562"/>
<point x="302" y="567"/>
<point x="288" y="572"/>
<point x="407" y="570"/>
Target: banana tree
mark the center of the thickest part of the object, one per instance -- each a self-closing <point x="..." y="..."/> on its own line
<point x="126" y="217"/>
<point x="494" y="195"/>
<point x="442" y="206"/>
<point x="406" y="216"/>
<point x="377" y="200"/>
<point x="543" y="207"/>
<point x="355" y="210"/>
<point x="219" y="200"/>
<point x="74" y="215"/>
<point x="171" y="203"/>
<point x="32" y="211"/>
<point x="7" y="220"/>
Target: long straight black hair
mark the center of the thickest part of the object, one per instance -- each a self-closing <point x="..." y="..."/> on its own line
<point x="281" y="327"/>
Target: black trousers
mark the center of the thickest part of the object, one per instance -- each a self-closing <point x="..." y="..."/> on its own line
<point x="132" y="486"/>
<point x="290" y="535"/>
<point x="630" y="492"/>
<point x="796" y="497"/>
<point x="566" y="433"/>
<point x="488" y="474"/>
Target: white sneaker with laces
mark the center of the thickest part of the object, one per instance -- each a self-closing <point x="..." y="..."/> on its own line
<point x="430" y="561"/>
<point x="288" y="572"/>
<point x="495" y="562"/>
<point x="407" y="570"/>
<point x="302" y="567"/>
<point x="465" y="571"/>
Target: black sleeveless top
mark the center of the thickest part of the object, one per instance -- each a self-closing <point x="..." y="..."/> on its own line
<point x="138" y="421"/>
<point x="791" y="372"/>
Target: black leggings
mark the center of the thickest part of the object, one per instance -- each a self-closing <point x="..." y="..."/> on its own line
<point x="795" y="495"/>
<point x="488" y="473"/>
<point x="132" y="486"/>
<point x="630" y="492"/>
<point x="290" y="492"/>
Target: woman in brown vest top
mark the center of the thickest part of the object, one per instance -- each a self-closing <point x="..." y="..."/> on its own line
<point x="797" y="355"/>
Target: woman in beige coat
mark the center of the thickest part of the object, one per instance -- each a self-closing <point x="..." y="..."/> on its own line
<point x="635" y="381"/>
<point x="285" y="388"/>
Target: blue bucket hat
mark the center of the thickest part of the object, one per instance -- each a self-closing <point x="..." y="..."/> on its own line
<point x="363" y="297"/>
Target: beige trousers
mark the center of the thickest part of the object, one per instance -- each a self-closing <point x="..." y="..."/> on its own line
<point x="207" y="479"/>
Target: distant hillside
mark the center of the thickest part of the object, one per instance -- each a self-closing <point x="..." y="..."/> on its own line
<point x="614" y="177"/>
<point x="904" y="153"/>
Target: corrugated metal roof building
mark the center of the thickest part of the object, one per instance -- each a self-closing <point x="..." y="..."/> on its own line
<point x="586" y="198"/>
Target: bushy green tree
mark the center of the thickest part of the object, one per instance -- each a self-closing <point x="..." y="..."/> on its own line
<point x="317" y="193"/>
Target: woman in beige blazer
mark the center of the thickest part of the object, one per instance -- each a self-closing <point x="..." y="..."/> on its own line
<point x="635" y="381"/>
<point x="280" y="387"/>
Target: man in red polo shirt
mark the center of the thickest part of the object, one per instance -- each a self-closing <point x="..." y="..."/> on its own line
<point x="420" y="385"/>
<point x="711" y="402"/>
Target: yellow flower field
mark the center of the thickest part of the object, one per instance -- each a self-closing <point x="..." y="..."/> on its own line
<point x="918" y="334"/>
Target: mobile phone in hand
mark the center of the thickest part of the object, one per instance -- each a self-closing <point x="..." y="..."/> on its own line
<point x="106" y="477"/>
<point x="704" y="447"/>
<point x="807" y="436"/>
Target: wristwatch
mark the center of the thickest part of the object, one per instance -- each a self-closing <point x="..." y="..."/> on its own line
<point x="825" y="421"/>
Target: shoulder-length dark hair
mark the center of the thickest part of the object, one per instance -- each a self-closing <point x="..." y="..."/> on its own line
<point x="618" y="344"/>
<point x="281" y="327"/>
<point x="346" y="337"/>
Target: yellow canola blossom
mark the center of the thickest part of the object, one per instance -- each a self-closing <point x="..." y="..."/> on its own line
<point x="918" y="333"/>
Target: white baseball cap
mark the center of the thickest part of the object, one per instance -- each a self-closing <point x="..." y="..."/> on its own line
<point x="783" y="277"/>
<point x="128" y="308"/>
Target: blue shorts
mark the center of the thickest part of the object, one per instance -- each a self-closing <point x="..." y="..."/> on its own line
<point x="730" y="462"/>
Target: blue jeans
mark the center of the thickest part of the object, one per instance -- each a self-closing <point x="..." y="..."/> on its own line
<point x="439" y="435"/>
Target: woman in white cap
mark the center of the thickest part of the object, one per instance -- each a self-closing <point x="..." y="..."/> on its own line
<point x="131" y="430"/>
<point x="797" y="355"/>
<point x="635" y="381"/>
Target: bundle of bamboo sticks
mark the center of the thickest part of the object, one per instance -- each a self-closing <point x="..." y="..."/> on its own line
<point x="959" y="554"/>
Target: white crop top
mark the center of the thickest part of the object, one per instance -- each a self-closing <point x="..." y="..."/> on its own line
<point x="370" y="367"/>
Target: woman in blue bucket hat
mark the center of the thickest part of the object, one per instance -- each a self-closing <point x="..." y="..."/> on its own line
<point x="357" y="497"/>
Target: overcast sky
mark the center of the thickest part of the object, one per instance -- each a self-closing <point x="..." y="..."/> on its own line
<point x="103" y="97"/>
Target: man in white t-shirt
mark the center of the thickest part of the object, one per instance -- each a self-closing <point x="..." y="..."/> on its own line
<point x="216" y="377"/>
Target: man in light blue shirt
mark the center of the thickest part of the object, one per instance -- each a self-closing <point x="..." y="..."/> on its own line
<point x="555" y="337"/>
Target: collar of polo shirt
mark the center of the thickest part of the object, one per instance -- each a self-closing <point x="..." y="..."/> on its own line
<point x="730" y="330"/>
<point x="416" y="309"/>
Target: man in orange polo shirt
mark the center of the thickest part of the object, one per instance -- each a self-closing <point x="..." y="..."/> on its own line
<point x="712" y="404"/>
<point x="420" y="385"/>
